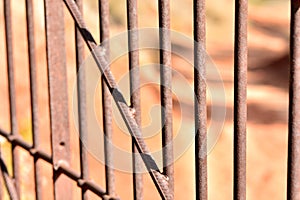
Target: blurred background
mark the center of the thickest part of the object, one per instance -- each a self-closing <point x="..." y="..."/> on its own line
<point x="268" y="40"/>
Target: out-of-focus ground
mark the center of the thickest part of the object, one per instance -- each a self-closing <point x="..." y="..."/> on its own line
<point x="267" y="96"/>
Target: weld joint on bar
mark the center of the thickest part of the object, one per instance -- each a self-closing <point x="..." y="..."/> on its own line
<point x="107" y="197"/>
<point x="61" y="164"/>
<point x="12" y="138"/>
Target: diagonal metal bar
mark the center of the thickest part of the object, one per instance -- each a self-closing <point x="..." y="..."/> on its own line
<point x="134" y="73"/>
<point x="99" y="56"/>
<point x="293" y="176"/>
<point x="240" y="98"/>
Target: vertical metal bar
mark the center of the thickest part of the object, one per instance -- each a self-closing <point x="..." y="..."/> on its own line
<point x="106" y="100"/>
<point x="132" y="26"/>
<point x="293" y="183"/>
<point x="33" y="95"/>
<point x="166" y="91"/>
<point x="240" y="98"/>
<point x="200" y="99"/>
<point x="58" y="92"/>
<point x="12" y="92"/>
<point x="81" y="90"/>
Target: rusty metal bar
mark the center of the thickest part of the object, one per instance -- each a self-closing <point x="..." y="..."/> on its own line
<point x="8" y="182"/>
<point x="33" y="95"/>
<point x="200" y="99"/>
<point x="82" y="119"/>
<point x="293" y="176"/>
<point x="166" y="91"/>
<point x="62" y="167"/>
<point x="59" y="167"/>
<point x="17" y="141"/>
<point x="106" y="101"/>
<point x="98" y="54"/>
<point x="240" y="98"/>
<point x="58" y="92"/>
<point x="134" y="73"/>
<point x="12" y="92"/>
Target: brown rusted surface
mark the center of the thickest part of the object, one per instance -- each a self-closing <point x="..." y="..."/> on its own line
<point x="60" y="167"/>
<point x="240" y="98"/>
<point x="166" y="92"/>
<point x="102" y="63"/>
<point x="200" y="99"/>
<point x="132" y="26"/>
<point x="12" y="92"/>
<point x="33" y="96"/>
<point x="82" y="115"/>
<point x="106" y="101"/>
<point x="266" y="118"/>
<point x="58" y="93"/>
<point x="293" y="176"/>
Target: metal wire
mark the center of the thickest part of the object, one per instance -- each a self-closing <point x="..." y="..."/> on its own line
<point x="166" y="92"/>
<point x="82" y="119"/>
<point x="133" y="42"/>
<point x="33" y="95"/>
<point x="99" y="56"/>
<point x="240" y="98"/>
<point x="293" y="175"/>
<point x="106" y="101"/>
<point x="12" y="92"/>
<point x="200" y="99"/>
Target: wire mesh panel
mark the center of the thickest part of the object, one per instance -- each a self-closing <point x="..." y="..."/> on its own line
<point x="69" y="182"/>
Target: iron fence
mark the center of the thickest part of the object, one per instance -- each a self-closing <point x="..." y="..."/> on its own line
<point x="58" y="93"/>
